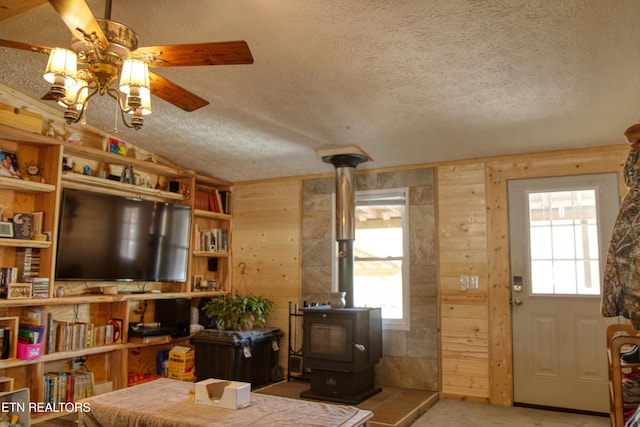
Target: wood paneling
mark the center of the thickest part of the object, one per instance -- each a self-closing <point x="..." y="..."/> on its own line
<point x="20" y="117"/>
<point x="266" y="246"/>
<point x="464" y="328"/>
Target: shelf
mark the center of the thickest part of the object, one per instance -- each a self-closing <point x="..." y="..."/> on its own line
<point x="112" y="158"/>
<point x="96" y="299"/>
<point x="211" y="215"/>
<point x="86" y="182"/>
<point x="23" y="185"/>
<point x="22" y="243"/>
<point x="21" y="136"/>
<point x="208" y="254"/>
<point x="61" y="355"/>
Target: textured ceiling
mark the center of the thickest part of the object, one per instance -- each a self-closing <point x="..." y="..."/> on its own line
<point x="408" y="81"/>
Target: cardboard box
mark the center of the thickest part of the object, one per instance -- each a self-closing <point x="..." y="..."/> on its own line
<point x="181" y="376"/>
<point x="181" y="359"/>
<point x="223" y="393"/>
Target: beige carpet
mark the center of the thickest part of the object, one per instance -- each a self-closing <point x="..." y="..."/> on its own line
<point x="457" y="413"/>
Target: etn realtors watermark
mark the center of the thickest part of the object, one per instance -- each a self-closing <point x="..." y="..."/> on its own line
<point x="11" y="407"/>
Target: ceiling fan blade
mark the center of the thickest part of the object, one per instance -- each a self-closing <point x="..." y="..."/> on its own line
<point x="12" y="8"/>
<point x="79" y="19"/>
<point x="174" y="94"/>
<point x="217" y="53"/>
<point x="25" y="46"/>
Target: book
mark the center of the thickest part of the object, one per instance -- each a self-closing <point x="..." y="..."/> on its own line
<point x="22" y="226"/>
<point x="5" y="343"/>
<point x="38" y="220"/>
<point x="72" y="386"/>
<point x="51" y="334"/>
<point x="202" y="199"/>
<point x="30" y="334"/>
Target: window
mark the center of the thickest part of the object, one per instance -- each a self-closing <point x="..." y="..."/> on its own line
<point x="563" y="231"/>
<point x="381" y="255"/>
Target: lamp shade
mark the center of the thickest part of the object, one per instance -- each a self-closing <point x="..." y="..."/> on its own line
<point x="76" y="95"/>
<point x="61" y="68"/>
<point x="134" y="77"/>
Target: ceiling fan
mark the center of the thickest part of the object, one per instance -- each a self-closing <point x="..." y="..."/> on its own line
<point x="103" y="51"/>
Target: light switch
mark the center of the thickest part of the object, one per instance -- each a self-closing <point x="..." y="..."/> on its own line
<point x="464" y="283"/>
<point x="473" y="282"/>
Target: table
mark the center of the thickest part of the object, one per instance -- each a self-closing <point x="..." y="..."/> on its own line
<point x="165" y="403"/>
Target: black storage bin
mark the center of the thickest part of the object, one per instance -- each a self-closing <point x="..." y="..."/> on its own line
<point x="247" y="356"/>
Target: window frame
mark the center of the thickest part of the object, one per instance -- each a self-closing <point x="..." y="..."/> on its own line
<point x="402" y="324"/>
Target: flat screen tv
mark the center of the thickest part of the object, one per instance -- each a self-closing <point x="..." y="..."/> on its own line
<point x="111" y="238"/>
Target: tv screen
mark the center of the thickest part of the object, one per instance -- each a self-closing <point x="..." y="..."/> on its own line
<point x="111" y="238"/>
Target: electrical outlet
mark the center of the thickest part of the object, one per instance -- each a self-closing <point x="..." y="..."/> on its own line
<point x="464" y="283"/>
<point x="473" y="282"/>
<point x="77" y="363"/>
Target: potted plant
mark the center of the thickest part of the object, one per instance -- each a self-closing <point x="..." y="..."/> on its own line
<point x="239" y="312"/>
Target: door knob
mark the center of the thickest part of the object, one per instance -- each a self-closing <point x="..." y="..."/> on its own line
<point x="517" y="301"/>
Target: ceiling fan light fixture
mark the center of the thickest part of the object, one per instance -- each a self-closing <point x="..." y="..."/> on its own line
<point x="113" y="64"/>
<point x="61" y="70"/>
<point x="134" y="81"/>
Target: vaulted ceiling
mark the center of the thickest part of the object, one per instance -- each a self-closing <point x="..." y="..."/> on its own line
<point x="410" y="82"/>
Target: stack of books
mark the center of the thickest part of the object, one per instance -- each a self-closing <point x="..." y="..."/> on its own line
<point x="28" y="263"/>
<point x="211" y="240"/>
<point x="70" y="336"/>
<point x="213" y="200"/>
<point x="62" y="387"/>
<point x="7" y="275"/>
<point x="39" y="287"/>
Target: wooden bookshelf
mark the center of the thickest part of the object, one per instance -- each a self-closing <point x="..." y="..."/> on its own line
<point x="81" y="303"/>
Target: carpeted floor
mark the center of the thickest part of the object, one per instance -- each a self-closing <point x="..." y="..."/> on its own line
<point x="457" y="413"/>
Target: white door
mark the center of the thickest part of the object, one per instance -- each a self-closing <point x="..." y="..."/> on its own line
<point x="559" y="233"/>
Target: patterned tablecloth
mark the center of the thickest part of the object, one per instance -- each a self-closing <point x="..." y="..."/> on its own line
<point x="165" y="402"/>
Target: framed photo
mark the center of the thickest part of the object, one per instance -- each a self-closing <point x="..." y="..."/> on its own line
<point x="6" y="229"/>
<point x="9" y="164"/>
<point x="117" y="146"/>
<point x="197" y="282"/>
<point x="18" y="290"/>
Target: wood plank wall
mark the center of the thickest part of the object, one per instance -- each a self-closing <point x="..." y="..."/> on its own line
<point x="472" y="221"/>
<point x="475" y="326"/>
<point x="266" y="246"/>
<point x="462" y="250"/>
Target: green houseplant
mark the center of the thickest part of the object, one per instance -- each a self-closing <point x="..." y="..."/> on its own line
<point x="239" y="312"/>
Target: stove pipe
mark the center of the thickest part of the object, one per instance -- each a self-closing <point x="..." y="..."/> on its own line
<point x="345" y="165"/>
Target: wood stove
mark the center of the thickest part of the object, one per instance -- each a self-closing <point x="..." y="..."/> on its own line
<point x="341" y="348"/>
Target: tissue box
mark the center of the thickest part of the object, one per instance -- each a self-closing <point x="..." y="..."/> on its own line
<point x="223" y="393"/>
